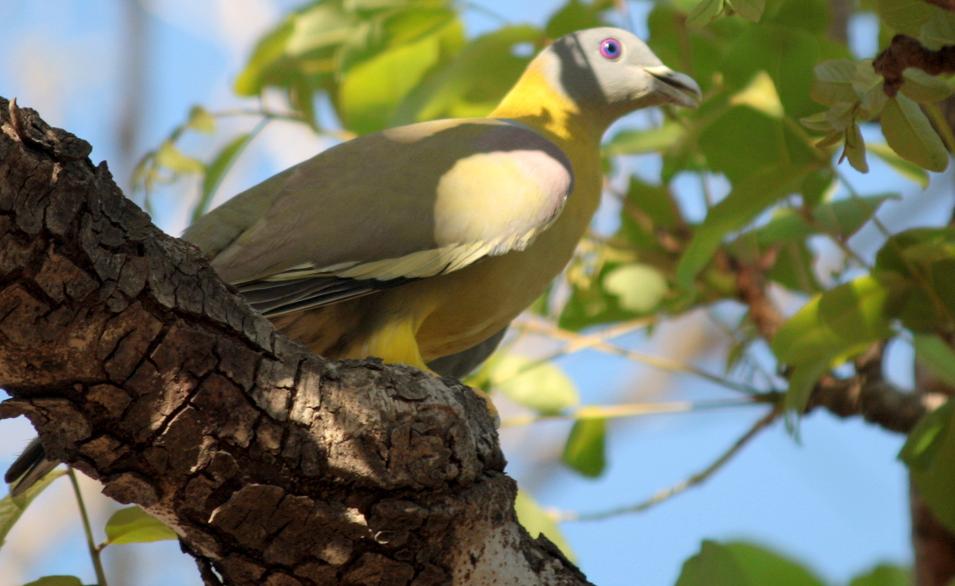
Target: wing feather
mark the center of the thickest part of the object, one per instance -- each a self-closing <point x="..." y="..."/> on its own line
<point x="383" y="209"/>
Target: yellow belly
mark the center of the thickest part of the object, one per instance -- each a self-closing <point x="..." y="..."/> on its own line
<point x="439" y="316"/>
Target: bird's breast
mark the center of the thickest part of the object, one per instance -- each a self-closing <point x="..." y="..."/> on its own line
<point x="463" y="308"/>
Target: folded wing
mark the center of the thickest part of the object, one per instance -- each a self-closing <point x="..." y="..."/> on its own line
<point x="375" y="212"/>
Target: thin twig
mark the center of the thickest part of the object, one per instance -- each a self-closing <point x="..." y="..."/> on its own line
<point x="582" y="343"/>
<point x="665" y="495"/>
<point x="659" y="362"/>
<point x="641" y="409"/>
<point x="88" y="529"/>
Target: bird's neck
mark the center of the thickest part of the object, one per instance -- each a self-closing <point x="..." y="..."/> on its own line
<point x="534" y="101"/>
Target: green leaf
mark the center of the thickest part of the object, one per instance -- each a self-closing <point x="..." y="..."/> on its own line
<point x="742" y="564"/>
<point x="638" y="287"/>
<point x="714" y="565"/>
<point x="201" y="120"/>
<point x="173" y="159"/>
<point x="216" y="171"/>
<point x="767" y="142"/>
<point x="586" y="447"/>
<point x="924" y="88"/>
<point x="836" y="322"/>
<point x="650" y="140"/>
<point x="573" y="16"/>
<point x="536" y="521"/>
<point x="910" y="134"/>
<point x="855" y="149"/>
<point x="910" y="171"/>
<point x="12" y="507"/>
<point x="884" y="575"/>
<point x="305" y="43"/>
<point x="56" y="581"/>
<point x="705" y="12"/>
<point x="751" y="10"/>
<point x="540" y="386"/>
<point x="372" y="86"/>
<point x="747" y="199"/>
<point x="802" y="381"/>
<point x="133" y="525"/>
<point x="939" y="31"/>
<point x="929" y="453"/>
<point x="933" y="353"/>
<point x="845" y="217"/>
<point x="783" y="53"/>
<point x="833" y="83"/>
<point x="474" y="81"/>
<point x="905" y="16"/>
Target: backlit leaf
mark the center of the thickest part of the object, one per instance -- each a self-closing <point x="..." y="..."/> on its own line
<point x="933" y="353"/>
<point x="910" y="134"/>
<point x="749" y="9"/>
<point x="586" y="447"/>
<point x="638" y="287"/>
<point x="705" y="12"/>
<point x="216" y="171"/>
<point x="747" y="199"/>
<point x="56" y="581"/>
<point x="929" y="453"/>
<point x="542" y="387"/>
<point x="536" y="521"/>
<point x="12" y="507"/>
<point x="133" y="525"/>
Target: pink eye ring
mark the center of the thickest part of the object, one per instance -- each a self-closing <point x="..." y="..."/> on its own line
<point x="610" y="48"/>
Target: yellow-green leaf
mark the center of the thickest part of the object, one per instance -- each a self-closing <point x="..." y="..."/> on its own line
<point x="56" y="581"/>
<point x="743" y="564"/>
<point x="133" y="525"/>
<point x="929" y="453"/>
<point x="833" y="82"/>
<point x="933" y="353"/>
<point x="536" y="521"/>
<point x="939" y="31"/>
<point x="653" y="140"/>
<point x="586" y="447"/>
<point x="884" y="575"/>
<point x="12" y="507"/>
<point x="748" y="198"/>
<point x="855" y="149"/>
<point x="749" y="9"/>
<point x="638" y="287"/>
<point x="201" y="120"/>
<point x="924" y="88"/>
<point x="170" y="157"/>
<point x="910" y="134"/>
<point x="541" y="386"/>
<point x="705" y="12"/>
<point x="835" y="322"/>
<point x="216" y="171"/>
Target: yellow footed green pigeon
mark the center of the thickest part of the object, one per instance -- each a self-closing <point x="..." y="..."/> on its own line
<point x="419" y="244"/>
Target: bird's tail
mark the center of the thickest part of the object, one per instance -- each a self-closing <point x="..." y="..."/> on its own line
<point x="28" y="468"/>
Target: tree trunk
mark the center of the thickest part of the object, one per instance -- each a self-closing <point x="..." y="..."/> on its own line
<point x="139" y="367"/>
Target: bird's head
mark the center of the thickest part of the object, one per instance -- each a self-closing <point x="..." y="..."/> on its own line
<point x="612" y="70"/>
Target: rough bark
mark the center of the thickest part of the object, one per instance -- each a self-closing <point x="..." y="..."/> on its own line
<point x="139" y="367"/>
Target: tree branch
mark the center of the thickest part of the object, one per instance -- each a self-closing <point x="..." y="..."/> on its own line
<point x="946" y="4"/>
<point x="905" y="52"/>
<point x="139" y="367"/>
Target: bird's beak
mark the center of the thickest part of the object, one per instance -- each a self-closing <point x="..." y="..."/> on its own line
<point x="675" y="87"/>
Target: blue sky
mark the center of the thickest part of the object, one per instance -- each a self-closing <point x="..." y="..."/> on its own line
<point x="837" y="500"/>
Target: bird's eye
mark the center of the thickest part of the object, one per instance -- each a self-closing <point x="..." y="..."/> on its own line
<point x="610" y="49"/>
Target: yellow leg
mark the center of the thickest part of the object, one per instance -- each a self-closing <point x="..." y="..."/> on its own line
<point x="396" y="343"/>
